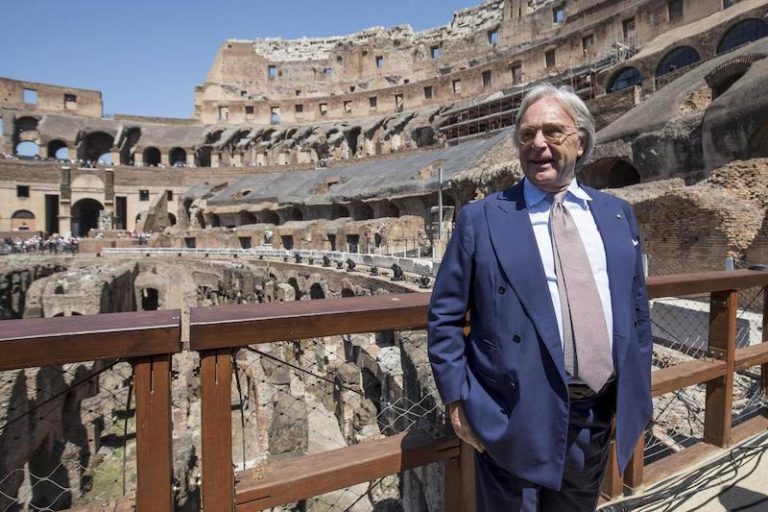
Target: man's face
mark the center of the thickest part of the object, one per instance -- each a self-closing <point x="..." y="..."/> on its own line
<point x="549" y="165"/>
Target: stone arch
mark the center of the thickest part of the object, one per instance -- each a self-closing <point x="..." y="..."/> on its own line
<point x="728" y="73"/>
<point x="610" y="172"/>
<point x="85" y="216"/>
<point x="296" y="288"/>
<point x="677" y="58"/>
<point x="172" y="219"/>
<point x="269" y="217"/>
<point x="130" y="137"/>
<point x="741" y="33"/>
<point x="58" y="149"/>
<point x="215" y="221"/>
<point x="23" y="220"/>
<point x="316" y="291"/>
<point x="339" y="211"/>
<point x="203" y="157"/>
<point x="625" y="77"/>
<point x="177" y="157"/>
<point x="25" y="129"/>
<point x="27" y="149"/>
<point x="362" y="211"/>
<point x="151" y="156"/>
<point x="386" y="208"/>
<point x="247" y="217"/>
<point x="97" y="146"/>
<point x="293" y="213"/>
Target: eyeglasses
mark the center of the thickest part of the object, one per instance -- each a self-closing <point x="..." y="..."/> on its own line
<point x="553" y="133"/>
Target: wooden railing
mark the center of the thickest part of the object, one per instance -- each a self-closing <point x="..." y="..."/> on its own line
<point x="149" y="339"/>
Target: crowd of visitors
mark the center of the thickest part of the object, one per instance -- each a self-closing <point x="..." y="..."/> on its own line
<point x="54" y="244"/>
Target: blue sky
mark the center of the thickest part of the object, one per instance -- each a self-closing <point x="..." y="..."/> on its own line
<point x="146" y="56"/>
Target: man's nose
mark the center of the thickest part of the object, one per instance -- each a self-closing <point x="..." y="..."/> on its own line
<point x="539" y="141"/>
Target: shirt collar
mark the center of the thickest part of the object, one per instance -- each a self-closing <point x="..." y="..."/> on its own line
<point x="534" y="195"/>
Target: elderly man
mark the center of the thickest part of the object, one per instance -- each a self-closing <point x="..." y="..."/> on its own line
<point x="550" y="272"/>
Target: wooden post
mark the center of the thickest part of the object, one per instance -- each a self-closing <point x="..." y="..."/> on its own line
<point x="459" y="481"/>
<point x="154" y="462"/>
<point x="722" y="346"/>
<point x="633" y="475"/>
<point x="218" y="480"/>
<point x="764" y="367"/>
<point x="613" y="486"/>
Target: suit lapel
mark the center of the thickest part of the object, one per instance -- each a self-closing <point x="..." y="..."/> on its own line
<point x="611" y="223"/>
<point x="517" y="253"/>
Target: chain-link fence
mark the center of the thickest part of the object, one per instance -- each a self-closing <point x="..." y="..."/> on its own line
<point x="311" y="396"/>
<point x="681" y="333"/>
<point x="67" y="436"/>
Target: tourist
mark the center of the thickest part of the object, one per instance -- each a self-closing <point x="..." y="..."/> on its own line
<point x="550" y="272"/>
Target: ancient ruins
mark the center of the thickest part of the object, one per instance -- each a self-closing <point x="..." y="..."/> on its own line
<point x="361" y="148"/>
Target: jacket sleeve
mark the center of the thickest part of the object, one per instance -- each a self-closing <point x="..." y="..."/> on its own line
<point x="642" y="310"/>
<point x="451" y="298"/>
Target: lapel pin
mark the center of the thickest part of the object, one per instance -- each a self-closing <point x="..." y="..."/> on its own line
<point x="618" y="215"/>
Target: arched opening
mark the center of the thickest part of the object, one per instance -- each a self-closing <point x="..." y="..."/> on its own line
<point x="151" y="157"/>
<point x="293" y="214"/>
<point x="25" y="129"/>
<point x="130" y="138"/>
<point x="97" y="146"/>
<point x="269" y="217"/>
<point x="215" y="221"/>
<point x="27" y="149"/>
<point x="23" y="220"/>
<point x="172" y="219"/>
<point x="742" y="33"/>
<point x="247" y="218"/>
<point x="388" y="209"/>
<point x="625" y="77"/>
<point x="346" y="292"/>
<point x="203" y="157"/>
<point x="85" y="216"/>
<point x="758" y="142"/>
<point x="339" y="211"/>
<point x="177" y="157"/>
<point x="316" y="292"/>
<point x="725" y="75"/>
<point x="676" y="59"/>
<point x="58" y="149"/>
<point x="609" y="173"/>
<point x="363" y="211"/>
<point x="295" y="285"/>
<point x="150" y="299"/>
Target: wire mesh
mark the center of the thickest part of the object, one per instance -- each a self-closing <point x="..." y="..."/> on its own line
<point x="67" y="435"/>
<point x="680" y="329"/>
<point x="310" y="396"/>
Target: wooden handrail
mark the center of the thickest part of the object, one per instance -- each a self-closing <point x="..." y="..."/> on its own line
<point x="238" y="326"/>
<point x="52" y="341"/>
<point x="704" y="282"/>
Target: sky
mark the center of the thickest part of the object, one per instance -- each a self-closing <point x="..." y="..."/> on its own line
<point x="146" y="56"/>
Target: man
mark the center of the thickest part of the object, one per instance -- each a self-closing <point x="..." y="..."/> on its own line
<point x="551" y="274"/>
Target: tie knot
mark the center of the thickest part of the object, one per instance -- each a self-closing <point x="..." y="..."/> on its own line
<point x="559" y="197"/>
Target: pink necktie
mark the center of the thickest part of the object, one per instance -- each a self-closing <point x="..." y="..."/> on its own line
<point x="586" y="343"/>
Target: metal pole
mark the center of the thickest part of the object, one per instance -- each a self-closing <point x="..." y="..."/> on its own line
<point x="440" y="203"/>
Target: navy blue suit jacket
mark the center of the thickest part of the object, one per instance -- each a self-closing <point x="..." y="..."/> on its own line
<point x="509" y="372"/>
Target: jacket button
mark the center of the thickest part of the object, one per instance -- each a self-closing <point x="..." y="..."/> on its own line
<point x="502" y="290"/>
<point x="516" y="338"/>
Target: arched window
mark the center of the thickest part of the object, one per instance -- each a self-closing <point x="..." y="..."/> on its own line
<point x="677" y="59"/>
<point x="626" y="77"/>
<point x="151" y="157"/>
<point x="23" y="220"/>
<point x="177" y="157"/>
<point x="742" y="33"/>
<point x="27" y="149"/>
<point x="58" y="149"/>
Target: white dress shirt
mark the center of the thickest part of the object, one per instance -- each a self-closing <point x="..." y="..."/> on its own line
<point x="577" y="201"/>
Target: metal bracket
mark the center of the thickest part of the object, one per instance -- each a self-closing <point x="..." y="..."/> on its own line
<point x="716" y="353"/>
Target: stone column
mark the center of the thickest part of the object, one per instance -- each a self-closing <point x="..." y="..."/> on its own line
<point x="65" y="218"/>
<point x="165" y="158"/>
<point x="214" y="159"/>
<point x="190" y="159"/>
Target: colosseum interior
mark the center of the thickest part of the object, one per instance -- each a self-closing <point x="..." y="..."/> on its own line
<point x="328" y="168"/>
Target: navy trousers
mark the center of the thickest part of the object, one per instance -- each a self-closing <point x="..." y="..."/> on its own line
<point x="589" y="432"/>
